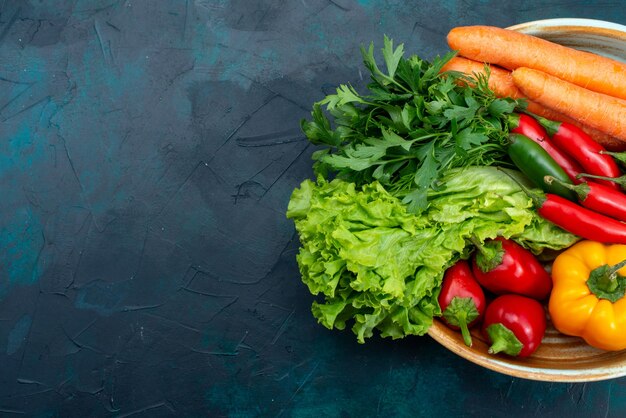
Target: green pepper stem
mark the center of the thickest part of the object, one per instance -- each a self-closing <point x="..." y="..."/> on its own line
<point x="513" y="120"/>
<point x="467" y="338"/>
<point x="498" y="346"/>
<point x="609" y="281"/>
<point x="460" y="313"/>
<point x="477" y="243"/>
<point x="619" y="156"/>
<point x="621" y="180"/>
<point x="605" y="283"/>
<point x="503" y="340"/>
<point x="550" y="126"/>
<point x="490" y="254"/>
<point x="581" y="190"/>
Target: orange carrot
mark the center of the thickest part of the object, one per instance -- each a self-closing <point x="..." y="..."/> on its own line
<point x="501" y="83"/>
<point x="598" y="111"/>
<point x="500" y="80"/>
<point x="511" y="49"/>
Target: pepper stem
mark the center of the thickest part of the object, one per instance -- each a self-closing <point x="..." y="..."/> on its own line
<point x="581" y="190"/>
<point x="550" y="126"/>
<point x="619" y="156"/>
<point x="467" y="338"/>
<point x="606" y="283"/>
<point x="460" y="313"/>
<point x="490" y="254"/>
<point x="503" y="340"/>
<point x="513" y="120"/>
<point x="621" y="180"/>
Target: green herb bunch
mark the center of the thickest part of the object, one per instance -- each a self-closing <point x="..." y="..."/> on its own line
<point x="414" y="123"/>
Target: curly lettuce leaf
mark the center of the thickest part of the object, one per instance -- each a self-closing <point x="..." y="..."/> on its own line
<point x="377" y="266"/>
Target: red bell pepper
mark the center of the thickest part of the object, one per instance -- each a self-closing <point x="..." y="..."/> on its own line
<point x="461" y="299"/>
<point x="503" y="266"/>
<point x="515" y="325"/>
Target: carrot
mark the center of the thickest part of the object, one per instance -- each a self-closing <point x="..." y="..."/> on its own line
<point x="511" y="49"/>
<point x="500" y="80"/>
<point x="598" y="111"/>
<point x="501" y="83"/>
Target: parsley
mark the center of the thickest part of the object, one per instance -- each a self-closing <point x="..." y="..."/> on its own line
<point x="412" y="125"/>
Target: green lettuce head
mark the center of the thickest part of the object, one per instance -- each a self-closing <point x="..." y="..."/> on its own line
<point x="377" y="266"/>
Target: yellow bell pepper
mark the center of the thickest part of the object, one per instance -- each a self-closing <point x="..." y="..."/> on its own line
<point x="587" y="299"/>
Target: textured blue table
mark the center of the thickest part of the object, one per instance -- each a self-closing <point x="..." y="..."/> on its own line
<point x="147" y="153"/>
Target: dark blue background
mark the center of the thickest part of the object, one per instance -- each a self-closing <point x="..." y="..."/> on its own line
<point x="147" y="153"/>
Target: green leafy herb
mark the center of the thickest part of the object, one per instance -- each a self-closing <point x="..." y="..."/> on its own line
<point x="412" y="125"/>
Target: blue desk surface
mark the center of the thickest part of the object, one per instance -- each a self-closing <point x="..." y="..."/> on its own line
<point x="147" y="153"/>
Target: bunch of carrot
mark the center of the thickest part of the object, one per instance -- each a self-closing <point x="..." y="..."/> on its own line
<point x="560" y="83"/>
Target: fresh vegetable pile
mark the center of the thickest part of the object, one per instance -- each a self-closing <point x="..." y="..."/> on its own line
<point x="381" y="266"/>
<point x="443" y="191"/>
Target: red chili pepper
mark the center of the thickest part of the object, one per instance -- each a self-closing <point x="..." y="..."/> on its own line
<point x="461" y="299"/>
<point x="580" y="146"/>
<point x="581" y="221"/>
<point x="598" y="197"/>
<point x="503" y="266"/>
<point x="576" y="219"/>
<point x="528" y="126"/>
<point x="515" y="325"/>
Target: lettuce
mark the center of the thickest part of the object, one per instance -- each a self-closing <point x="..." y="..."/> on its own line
<point x="377" y="266"/>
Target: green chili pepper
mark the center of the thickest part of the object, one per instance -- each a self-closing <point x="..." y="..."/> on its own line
<point x="535" y="162"/>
